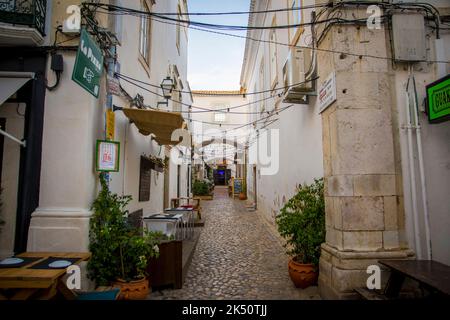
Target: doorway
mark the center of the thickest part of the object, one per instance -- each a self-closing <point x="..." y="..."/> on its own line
<point x="255" y="193"/>
<point x="166" y="186"/>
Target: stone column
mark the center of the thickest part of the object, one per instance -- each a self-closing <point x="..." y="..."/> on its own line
<point x="363" y="190"/>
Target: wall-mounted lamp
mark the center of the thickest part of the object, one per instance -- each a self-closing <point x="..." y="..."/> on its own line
<point x="167" y="86"/>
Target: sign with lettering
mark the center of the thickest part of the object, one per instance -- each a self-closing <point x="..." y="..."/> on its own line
<point x="88" y="64"/>
<point x="110" y="124"/>
<point x="438" y="100"/>
<point x="107" y="156"/>
<point x="327" y="92"/>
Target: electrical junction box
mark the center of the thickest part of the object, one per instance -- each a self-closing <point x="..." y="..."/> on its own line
<point x="408" y="37"/>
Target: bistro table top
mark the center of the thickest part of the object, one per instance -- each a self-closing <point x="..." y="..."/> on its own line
<point x="24" y="277"/>
<point x="432" y="273"/>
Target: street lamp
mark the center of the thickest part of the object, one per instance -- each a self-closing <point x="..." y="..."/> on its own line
<point x="167" y="87"/>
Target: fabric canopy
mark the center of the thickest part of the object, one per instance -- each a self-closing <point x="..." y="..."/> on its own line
<point x="160" y="123"/>
<point x="10" y="82"/>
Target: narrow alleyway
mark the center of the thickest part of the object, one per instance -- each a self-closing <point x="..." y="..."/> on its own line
<point x="237" y="256"/>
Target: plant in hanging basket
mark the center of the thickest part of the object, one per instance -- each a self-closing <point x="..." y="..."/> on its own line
<point x="158" y="164"/>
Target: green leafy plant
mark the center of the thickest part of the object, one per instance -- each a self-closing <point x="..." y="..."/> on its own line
<point x="118" y="250"/>
<point x="135" y="250"/>
<point x="200" y="188"/>
<point x="302" y="223"/>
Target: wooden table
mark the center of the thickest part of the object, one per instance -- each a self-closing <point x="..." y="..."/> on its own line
<point x="432" y="275"/>
<point x="45" y="283"/>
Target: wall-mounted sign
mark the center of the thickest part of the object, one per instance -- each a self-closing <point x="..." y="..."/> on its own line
<point x="107" y="156"/>
<point x="327" y="92"/>
<point x="113" y="86"/>
<point x="88" y="64"/>
<point x="438" y="100"/>
<point x="110" y="124"/>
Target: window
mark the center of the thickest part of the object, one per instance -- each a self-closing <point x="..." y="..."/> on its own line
<point x="295" y="18"/>
<point x="145" y="33"/>
<point x="296" y="14"/>
<point x="178" y="28"/>
<point x="273" y="57"/>
<point x="262" y="82"/>
<point x="219" y="117"/>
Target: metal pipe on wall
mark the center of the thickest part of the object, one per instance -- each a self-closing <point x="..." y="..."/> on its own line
<point x="422" y="172"/>
<point x="412" y="177"/>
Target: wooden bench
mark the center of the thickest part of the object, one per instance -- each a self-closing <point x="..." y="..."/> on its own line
<point x="431" y="276"/>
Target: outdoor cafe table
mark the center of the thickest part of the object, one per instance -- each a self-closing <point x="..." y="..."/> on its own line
<point x="187" y="220"/>
<point x="176" y="202"/>
<point x="164" y="222"/>
<point x="43" y="283"/>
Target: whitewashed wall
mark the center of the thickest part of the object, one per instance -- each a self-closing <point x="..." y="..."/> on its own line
<point x="300" y="129"/>
<point x="74" y="120"/>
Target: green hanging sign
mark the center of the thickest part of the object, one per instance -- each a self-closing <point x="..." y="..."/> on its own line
<point x="88" y="64"/>
<point x="438" y="100"/>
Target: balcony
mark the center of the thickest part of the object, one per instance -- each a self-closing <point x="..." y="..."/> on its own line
<point x="22" y="22"/>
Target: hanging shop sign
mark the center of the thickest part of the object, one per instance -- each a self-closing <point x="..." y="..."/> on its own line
<point x="88" y="64"/>
<point x="113" y="86"/>
<point x="327" y="92"/>
<point x="107" y="156"/>
<point x="438" y="100"/>
<point x="110" y="124"/>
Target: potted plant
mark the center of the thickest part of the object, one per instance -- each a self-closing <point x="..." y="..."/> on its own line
<point x="243" y="193"/>
<point x="119" y="252"/>
<point x="302" y="223"/>
<point x="202" y="189"/>
<point x="135" y="251"/>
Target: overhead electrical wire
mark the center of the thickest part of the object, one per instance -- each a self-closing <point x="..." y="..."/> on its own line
<point x="215" y="94"/>
<point x="206" y="110"/>
<point x="239" y="126"/>
<point x="132" y="81"/>
<point x="189" y="25"/>
<point x="241" y="12"/>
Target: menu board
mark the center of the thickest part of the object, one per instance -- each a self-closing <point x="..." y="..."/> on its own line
<point x="237" y="185"/>
<point x="145" y="179"/>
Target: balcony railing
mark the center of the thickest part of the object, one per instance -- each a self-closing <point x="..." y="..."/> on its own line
<point x="24" y="12"/>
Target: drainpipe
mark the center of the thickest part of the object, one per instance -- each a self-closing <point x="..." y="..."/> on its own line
<point x="422" y="172"/>
<point x="412" y="175"/>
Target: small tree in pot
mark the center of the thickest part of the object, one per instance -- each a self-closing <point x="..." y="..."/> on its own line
<point x="120" y="253"/>
<point x="302" y="223"/>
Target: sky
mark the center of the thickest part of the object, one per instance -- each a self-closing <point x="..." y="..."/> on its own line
<point x="214" y="61"/>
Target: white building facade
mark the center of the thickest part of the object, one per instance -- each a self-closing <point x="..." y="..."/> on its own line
<point x="73" y="120"/>
<point x="385" y="174"/>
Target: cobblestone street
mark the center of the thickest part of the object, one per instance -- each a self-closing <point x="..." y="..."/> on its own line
<point x="237" y="257"/>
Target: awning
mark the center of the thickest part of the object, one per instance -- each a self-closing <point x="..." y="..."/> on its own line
<point x="10" y="82"/>
<point x="160" y="123"/>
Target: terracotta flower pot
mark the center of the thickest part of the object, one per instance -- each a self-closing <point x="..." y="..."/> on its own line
<point x="133" y="290"/>
<point x="242" y="196"/>
<point x="302" y="275"/>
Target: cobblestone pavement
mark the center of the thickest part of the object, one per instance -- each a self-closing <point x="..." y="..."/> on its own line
<point x="237" y="257"/>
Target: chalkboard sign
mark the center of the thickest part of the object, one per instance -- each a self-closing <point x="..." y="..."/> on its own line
<point x="237" y="185"/>
<point x="144" y="179"/>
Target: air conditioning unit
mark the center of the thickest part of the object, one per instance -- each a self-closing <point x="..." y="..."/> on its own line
<point x="295" y="73"/>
